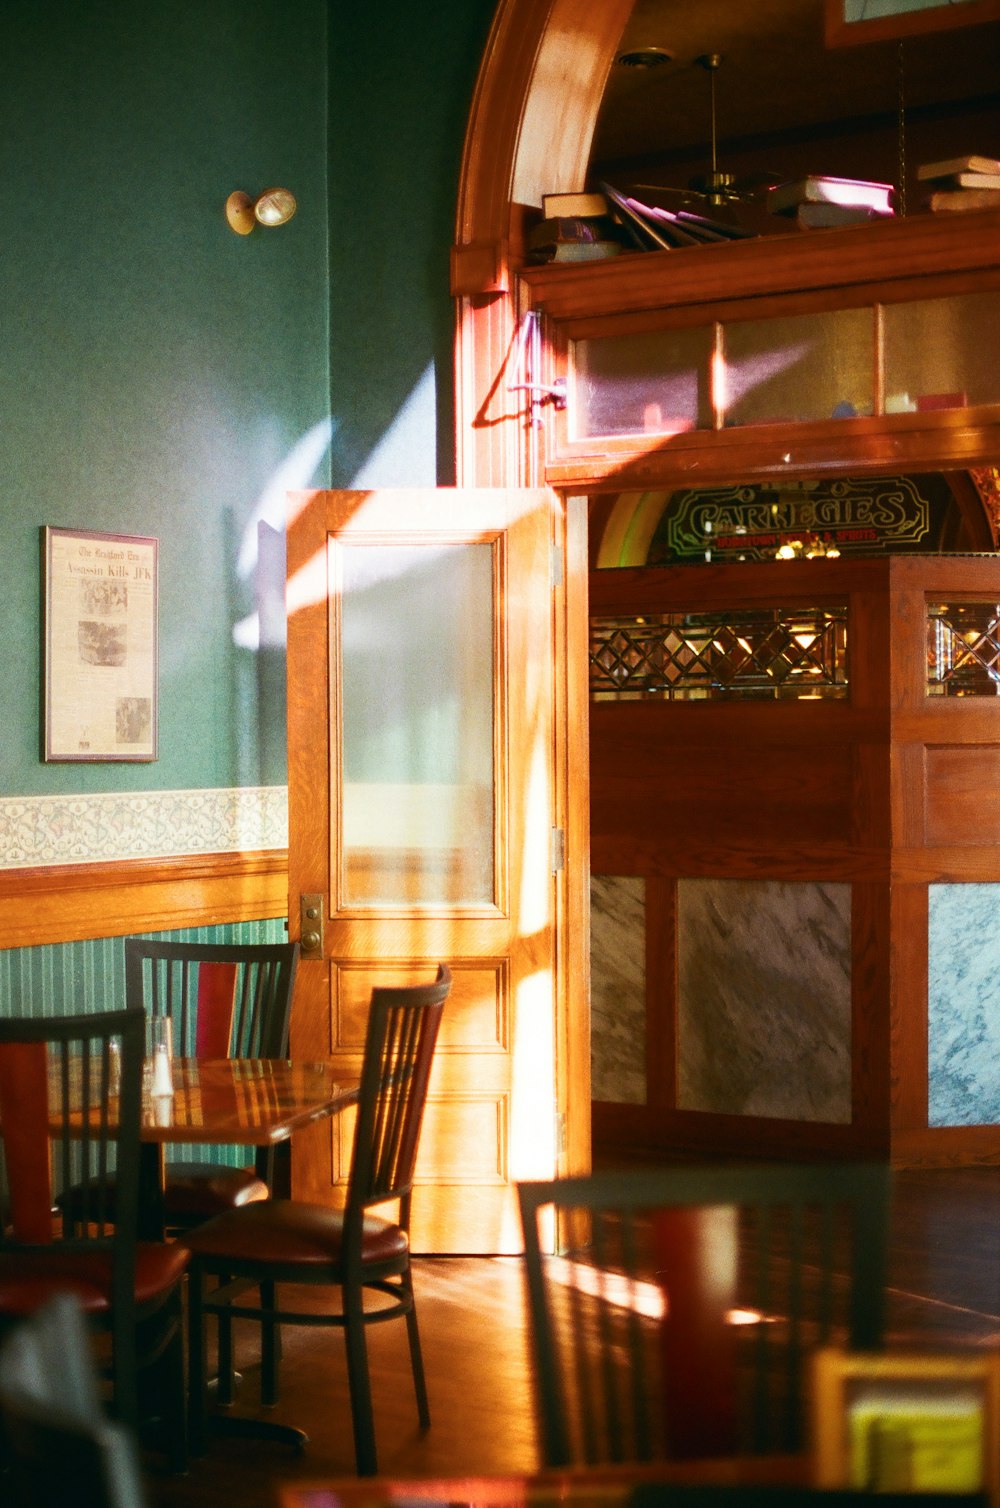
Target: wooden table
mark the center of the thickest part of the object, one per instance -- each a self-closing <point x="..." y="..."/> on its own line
<point x="598" y="1487"/>
<point x="738" y="1482"/>
<point x="255" y="1102"/>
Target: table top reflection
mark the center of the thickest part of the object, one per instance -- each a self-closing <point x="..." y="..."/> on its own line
<point x="243" y="1100"/>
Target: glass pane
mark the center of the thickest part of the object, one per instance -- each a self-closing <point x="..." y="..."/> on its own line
<point x="417" y="705"/>
<point x="654" y="383"/>
<point x="941" y="353"/>
<point x="963" y="649"/>
<point x="766" y="653"/>
<point x="806" y="366"/>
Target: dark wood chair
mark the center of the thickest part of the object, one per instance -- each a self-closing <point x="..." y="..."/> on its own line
<point x="225" y="1000"/>
<point x="59" y="1446"/>
<point x="70" y="1104"/>
<point x="681" y="1322"/>
<point x="288" y="1241"/>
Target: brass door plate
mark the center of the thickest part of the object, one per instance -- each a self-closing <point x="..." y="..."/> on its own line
<point x="311" y="915"/>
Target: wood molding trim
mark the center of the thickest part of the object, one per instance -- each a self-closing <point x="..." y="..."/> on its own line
<point x="530" y="128"/>
<point x="72" y="902"/>
<point x="531" y="122"/>
<point x="628" y="1128"/>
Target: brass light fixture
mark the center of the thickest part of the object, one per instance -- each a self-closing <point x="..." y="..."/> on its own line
<point x="275" y="206"/>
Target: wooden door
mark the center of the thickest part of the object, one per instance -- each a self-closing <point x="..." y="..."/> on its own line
<point x="428" y="777"/>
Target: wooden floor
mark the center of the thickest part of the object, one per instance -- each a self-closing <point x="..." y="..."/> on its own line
<point x="944" y="1290"/>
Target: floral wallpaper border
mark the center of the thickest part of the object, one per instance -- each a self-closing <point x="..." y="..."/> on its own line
<point x="38" y="830"/>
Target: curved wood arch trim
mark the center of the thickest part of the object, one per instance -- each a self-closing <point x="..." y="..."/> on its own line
<point x="75" y="902"/>
<point x="530" y="127"/>
<point x="531" y="122"/>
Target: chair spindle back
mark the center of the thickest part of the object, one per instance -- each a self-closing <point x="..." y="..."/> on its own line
<point x="399" y="1047"/>
<point x="225" y="1000"/>
<point x="682" y="1324"/>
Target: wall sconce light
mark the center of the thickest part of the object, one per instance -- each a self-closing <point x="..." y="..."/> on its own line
<point x="275" y="206"/>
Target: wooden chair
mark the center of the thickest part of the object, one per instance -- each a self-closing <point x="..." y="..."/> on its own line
<point x="70" y="1115"/>
<point x="59" y="1446"/>
<point x="682" y="1324"/>
<point x="287" y="1241"/>
<point x="225" y="1000"/>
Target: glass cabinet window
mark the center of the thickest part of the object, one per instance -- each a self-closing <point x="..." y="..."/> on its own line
<point x="653" y="383"/>
<point x="941" y="353"/>
<point x="799" y="367"/>
<point x="788" y="369"/>
<point x="773" y="371"/>
<point x="963" y="648"/>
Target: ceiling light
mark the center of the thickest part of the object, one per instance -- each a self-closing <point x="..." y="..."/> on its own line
<point x="644" y="57"/>
<point x="275" y="206"/>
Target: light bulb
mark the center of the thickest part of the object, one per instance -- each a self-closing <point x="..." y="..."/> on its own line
<point x="275" y="206"/>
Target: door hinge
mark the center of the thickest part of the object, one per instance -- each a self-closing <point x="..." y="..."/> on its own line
<point x="558" y="850"/>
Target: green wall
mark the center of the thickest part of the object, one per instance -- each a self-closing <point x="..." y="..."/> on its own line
<point x="157" y="369"/>
<point x="401" y="84"/>
<point x="162" y="376"/>
<point x="159" y="372"/>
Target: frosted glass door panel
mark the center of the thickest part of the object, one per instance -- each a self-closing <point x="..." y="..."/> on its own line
<point x="806" y="366"/>
<point x="652" y="383"/>
<point x="416" y="686"/>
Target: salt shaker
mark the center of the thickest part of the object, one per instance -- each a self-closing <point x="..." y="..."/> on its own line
<point x="114" y="1068"/>
<point x="163" y="1079"/>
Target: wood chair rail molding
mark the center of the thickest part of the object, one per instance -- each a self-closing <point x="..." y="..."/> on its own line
<point x="74" y="902"/>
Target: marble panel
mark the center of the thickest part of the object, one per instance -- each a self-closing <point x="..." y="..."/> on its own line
<point x="764" y="1007"/>
<point x="618" y="989"/>
<point x="963" y="1005"/>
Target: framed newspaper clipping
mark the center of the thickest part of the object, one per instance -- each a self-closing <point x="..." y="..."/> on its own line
<point x="100" y="646"/>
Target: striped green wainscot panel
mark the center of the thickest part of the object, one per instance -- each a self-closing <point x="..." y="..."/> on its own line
<point x="60" y="978"/>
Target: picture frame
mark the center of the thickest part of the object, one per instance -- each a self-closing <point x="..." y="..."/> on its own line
<point x="907" y="1421"/>
<point x="847" y="22"/>
<point x="99" y="650"/>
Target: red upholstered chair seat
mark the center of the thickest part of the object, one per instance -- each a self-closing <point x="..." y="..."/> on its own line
<point x="29" y="1279"/>
<point x="290" y="1232"/>
<point x="200" y="1190"/>
<point x="70" y="1109"/>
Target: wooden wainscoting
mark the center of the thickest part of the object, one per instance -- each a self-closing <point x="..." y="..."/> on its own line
<point x="74" y="902"/>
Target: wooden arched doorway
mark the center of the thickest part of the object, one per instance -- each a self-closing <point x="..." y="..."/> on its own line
<point x="530" y="131"/>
